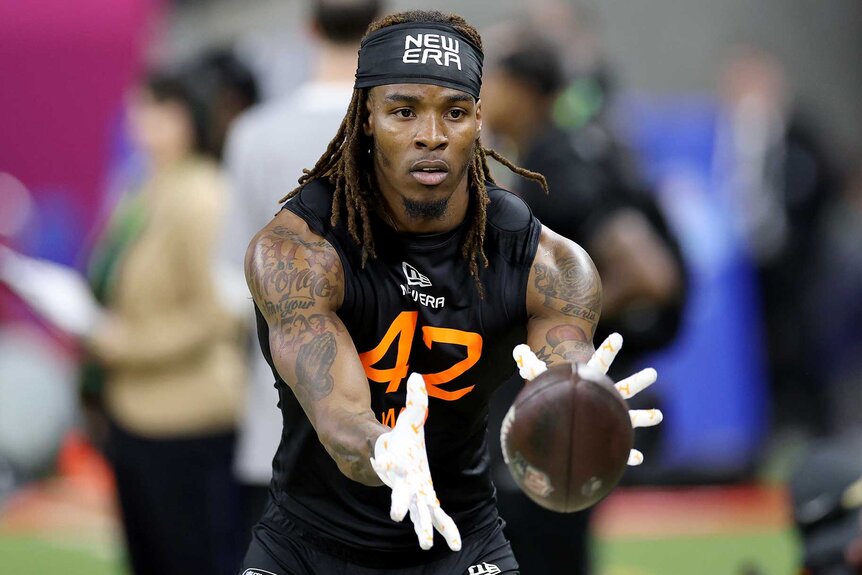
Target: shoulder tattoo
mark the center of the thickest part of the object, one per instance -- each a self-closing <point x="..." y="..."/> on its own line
<point x="571" y="287"/>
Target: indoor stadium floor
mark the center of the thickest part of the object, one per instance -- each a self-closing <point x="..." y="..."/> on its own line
<point x="68" y="525"/>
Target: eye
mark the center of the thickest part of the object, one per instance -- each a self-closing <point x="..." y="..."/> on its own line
<point x="457" y="113"/>
<point x="404" y="113"/>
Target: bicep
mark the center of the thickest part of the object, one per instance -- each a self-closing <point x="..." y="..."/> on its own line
<point x="564" y="301"/>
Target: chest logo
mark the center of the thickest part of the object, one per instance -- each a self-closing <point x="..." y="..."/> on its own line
<point x="414" y="278"/>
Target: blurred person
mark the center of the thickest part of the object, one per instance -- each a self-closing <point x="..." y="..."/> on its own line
<point x="596" y="199"/>
<point x="267" y="150"/>
<point x="777" y="178"/>
<point x="595" y="203"/>
<point x="834" y="307"/>
<point x="167" y="367"/>
<point x="399" y="226"/>
<point x="583" y="103"/>
<point x="826" y="491"/>
<point x="229" y="87"/>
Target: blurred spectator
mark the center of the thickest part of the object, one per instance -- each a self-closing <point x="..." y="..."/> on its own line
<point x="827" y="506"/>
<point x="835" y="309"/>
<point x="168" y="367"/>
<point x="228" y="86"/>
<point x="559" y="84"/>
<point x="777" y="179"/>
<point x="266" y="153"/>
<point x="594" y="201"/>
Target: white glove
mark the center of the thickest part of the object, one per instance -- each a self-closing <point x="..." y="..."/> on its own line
<point x="531" y="366"/>
<point x="57" y="293"/>
<point x="401" y="462"/>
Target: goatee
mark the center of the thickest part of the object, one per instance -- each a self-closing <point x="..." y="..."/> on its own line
<point x="426" y="210"/>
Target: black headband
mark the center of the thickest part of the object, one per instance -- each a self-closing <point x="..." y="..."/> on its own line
<point x="420" y="53"/>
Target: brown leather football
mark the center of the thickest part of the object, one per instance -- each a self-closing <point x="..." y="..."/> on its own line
<point x="567" y="437"/>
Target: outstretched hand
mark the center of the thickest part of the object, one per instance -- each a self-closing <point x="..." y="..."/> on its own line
<point x="401" y="462"/>
<point x="531" y="366"/>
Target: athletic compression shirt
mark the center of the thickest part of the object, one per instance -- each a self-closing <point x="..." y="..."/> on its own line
<point x="413" y="308"/>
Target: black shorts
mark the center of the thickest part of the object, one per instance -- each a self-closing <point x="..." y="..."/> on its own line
<point x="286" y="552"/>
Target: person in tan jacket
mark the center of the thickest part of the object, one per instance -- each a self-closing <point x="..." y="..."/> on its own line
<point x="170" y="354"/>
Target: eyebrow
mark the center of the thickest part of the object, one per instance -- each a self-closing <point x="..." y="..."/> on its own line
<point x="408" y="99"/>
<point x="401" y="98"/>
<point x="459" y="98"/>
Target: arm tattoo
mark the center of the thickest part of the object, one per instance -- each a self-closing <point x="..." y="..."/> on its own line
<point x="277" y="274"/>
<point x="296" y="283"/>
<point x="352" y="451"/>
<point x="569" y="343"/>
<point x="313" y="363"/>
<point x="288" y="284"/>
<point x="544" y="354"/>
<point x="570" y="289"/>
<point x="354" y="463"/>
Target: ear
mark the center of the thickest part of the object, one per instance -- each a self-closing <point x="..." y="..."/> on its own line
<point x="479" y="116"/>
<point x="368" y="124"/>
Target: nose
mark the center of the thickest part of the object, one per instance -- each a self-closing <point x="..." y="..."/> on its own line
<point x="431" y="133"/>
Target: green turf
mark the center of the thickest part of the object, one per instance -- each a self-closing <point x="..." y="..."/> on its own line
<point x="771" y="554"/>
<point x="26" y="556"/>
<point x="761" y="554"/>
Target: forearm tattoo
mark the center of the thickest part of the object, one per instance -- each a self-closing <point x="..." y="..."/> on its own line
<point x="567" y="342"/>
<point x="352" y="453"/>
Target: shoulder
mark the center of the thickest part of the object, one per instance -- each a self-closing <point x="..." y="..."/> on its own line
<point x="287" y="260"/>
<point x="555" y="248"/>
<point x="506" y="211"/>
<point x="313" y="204"/>
<point x="564" y="279"/>
<point x="316" y="196"/>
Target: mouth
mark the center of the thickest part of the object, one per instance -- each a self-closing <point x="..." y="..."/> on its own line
<point x="429" y="172"/>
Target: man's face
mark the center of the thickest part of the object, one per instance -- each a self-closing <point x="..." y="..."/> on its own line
<point x="423" y="142"/>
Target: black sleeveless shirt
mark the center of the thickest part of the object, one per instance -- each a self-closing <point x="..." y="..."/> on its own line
<point x="413" y="308"/>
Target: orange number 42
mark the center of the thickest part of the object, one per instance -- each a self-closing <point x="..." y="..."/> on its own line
<point x="403" y="328"/>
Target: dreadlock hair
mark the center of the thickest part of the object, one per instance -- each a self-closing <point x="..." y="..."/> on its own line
<point x="348" y="166"/>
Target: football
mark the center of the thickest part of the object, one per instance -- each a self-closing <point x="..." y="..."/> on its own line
<point x="566" y="439"/>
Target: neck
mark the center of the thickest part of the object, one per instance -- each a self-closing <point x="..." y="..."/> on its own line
<point x="336" y="63"/>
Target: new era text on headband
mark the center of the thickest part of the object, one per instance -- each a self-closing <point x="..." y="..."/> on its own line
<point x="420" y="53"/>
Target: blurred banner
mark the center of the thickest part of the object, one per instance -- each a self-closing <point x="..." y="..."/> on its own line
<point x="713" y="382"/>
<point x="65" y="69"/>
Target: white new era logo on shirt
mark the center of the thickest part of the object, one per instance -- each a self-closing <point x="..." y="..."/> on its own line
<point x="484" y="569"/>
<point x="439" y="48"/>
<point x="414" y="278"/>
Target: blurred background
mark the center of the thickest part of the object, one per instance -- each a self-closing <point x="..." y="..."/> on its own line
<point x="707" y="154"/>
